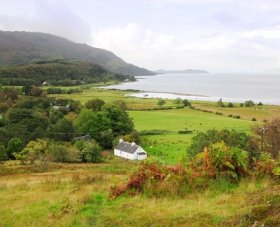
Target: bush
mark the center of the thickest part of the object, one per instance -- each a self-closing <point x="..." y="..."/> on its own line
<point x="64" y="153"/>
<point x="90" y="151"/>
<point x="219" y="113"/>
<point x="264" y="165"/>
<point x="230" y="105"/>
<point x="161" y="102"/>
<point x="253" y="119"/>
<point x="34" y="150"/>
<point x="231" y="138"/>
<point x="95" y="104"/>
<point x="249" y="103"/>
<point x="186" y="103"/>
<point x="267" y="137"/>
<point x="220" y="160"/>
<point x="220" y="103"/>
<point x="15" y="145"/>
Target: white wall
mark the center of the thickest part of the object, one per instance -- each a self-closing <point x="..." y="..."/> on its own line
<point x="134" y="156"/>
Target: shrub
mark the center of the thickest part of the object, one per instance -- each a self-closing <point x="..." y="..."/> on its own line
<point x="161" y="102"/>
<point x="249" y="103"/>
<point x="154" y="180"/>
<point x="231" y="138"/>
<point x="95" y="104"/>
<point x="186" y="103"/>
<point x="64" y="153"/>
<point x="15" y="145"/>
<point x="264" y="165"/>
<point x="267" y="137"/>
<point x="220" y="160"/>
<point x="34" y="150"/>
<point x="220" y="103"/>
<point x="253" y="119"/>
<point x="230" y="105"/>
<point x="90" y="151"/>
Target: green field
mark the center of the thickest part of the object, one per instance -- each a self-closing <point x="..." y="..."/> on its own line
<point x="171" y="147"/>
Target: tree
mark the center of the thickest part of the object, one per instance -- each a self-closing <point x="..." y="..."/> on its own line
<point x="97" y="125"/>
<point x="249" y="103"/>
<point x="95" y="104"/>
<point x="186" y="103"/>
<point x="121" y="104"/>
<point x="26" y="89"/>
<point x="63" y="130"/>
<point x="55" y="116"/>
<point x="177" y="102"/>
<point x="220" y="103"/>
<point x="230" y="105"/>
<point x="91" y="152"/>
<point x="267" y="137"/>
<point x="36" y="91"/>
<point x="34" y="150"/>
<point x="15" y="145"/>
<point x="105" y="125"/>
<point x="161" y="102"/>
<point x="119" y="119"/>
<point x="64" y="153"/>
<point x="231" y="138"/>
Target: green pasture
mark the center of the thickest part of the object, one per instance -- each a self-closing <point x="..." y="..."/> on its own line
<point x="171" y="146"/>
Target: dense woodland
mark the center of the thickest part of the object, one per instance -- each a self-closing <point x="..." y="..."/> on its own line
<point x="58" y="72"/>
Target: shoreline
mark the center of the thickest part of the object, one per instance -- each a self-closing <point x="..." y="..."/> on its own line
<point x="182" y="95"/>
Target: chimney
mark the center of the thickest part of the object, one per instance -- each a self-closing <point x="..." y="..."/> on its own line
<point x="133" y="143"/>
<point x="121" y="140"/>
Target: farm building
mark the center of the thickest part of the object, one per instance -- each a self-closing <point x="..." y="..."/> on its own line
<point x="130" y="151"/>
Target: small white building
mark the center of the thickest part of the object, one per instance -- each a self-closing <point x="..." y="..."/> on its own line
<point x="130" y="151"/>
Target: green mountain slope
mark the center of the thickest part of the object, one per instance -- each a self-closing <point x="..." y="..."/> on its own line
<point x="28" y="47"/>
<point x="57" y="73"/>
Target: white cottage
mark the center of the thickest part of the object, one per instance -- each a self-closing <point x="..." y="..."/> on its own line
<point x="130" y="151"/>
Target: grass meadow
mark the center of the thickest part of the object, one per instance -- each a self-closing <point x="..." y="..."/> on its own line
<point x="78" y="195"/>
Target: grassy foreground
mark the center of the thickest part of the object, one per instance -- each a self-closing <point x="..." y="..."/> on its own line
<point x="77" y="195"/>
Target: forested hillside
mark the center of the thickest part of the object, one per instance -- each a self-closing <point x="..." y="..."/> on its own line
<point x="57" y="73"/>
<point x="29" y="47"/>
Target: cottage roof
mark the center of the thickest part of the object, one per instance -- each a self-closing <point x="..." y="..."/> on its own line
<point x="85" y="137"/>
<point x="127" y="147"/>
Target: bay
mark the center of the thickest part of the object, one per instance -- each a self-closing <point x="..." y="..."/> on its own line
<point x="209" y="86"/>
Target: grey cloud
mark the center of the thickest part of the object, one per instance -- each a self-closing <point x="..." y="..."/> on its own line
<point x="48" y="16"/>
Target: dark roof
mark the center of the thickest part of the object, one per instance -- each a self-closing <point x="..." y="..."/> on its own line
<point x="127" y="147"/>
<point x="142" y="153"/>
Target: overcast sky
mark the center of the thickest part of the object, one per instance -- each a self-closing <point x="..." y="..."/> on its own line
<point x="215" y="35"/>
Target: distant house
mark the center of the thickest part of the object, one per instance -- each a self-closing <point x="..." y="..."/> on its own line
<point x="130" y="151"/>
<point x="46" y="83"/>
<point x="83" y="138"/>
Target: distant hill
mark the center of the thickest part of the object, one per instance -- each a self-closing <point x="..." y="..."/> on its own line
<point x="182" y="71"/>
<point x="61" y="73"/>
<point x="29" y="47"/>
